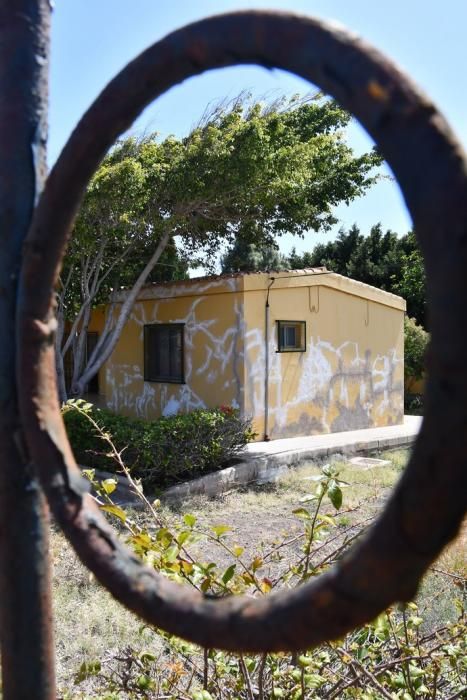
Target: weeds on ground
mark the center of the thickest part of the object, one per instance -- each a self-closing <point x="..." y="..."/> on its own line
<point x="408" y="652"/>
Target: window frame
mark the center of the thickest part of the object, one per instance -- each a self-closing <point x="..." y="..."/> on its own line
<point x="280" y="346"/>
<point x="159" y="379"/>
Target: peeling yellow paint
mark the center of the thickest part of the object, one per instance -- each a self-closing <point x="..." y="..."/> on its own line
<point x="350" y="375"/>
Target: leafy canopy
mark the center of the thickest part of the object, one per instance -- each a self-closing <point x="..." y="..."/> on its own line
<point x="247" y="169"/>
<point x="243" y="256"/>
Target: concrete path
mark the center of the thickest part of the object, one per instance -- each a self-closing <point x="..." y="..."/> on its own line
<point x="265" y="461"/>
<point x="350" y="440"/>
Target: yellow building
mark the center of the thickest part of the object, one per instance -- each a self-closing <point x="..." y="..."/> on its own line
<point x="301" y="352"/>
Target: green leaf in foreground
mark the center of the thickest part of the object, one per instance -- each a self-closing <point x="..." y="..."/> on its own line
<point x="335" y="494"/>
<point x="220" y="530"/>
<point x="228" y="573"/>
<point x="302" y="513"/>
<point x="109" y="485"/>
<point x="115" y="510"/>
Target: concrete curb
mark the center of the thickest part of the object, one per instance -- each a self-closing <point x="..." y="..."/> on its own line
<point x="263" y="468"/>
<point x="267" y="461"/>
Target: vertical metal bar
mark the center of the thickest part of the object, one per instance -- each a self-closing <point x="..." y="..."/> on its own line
<point x="25" y="607"/>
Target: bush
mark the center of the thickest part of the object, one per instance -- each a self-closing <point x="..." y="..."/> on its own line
<point x="160" y="452"/>
<point x="413" y="404"/>
<point x="415" y="344"/>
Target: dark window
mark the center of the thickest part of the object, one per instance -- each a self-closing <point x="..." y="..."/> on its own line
<point x="163" y="352"/>
<point x="291" y="336"/>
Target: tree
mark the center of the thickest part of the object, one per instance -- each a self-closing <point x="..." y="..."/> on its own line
<point x="248" y="170"/>
<point x="251" y="257"/>
<point x="376" y="258"/>
<point x="410" y="283"/>
<point x="334" y="255"/>
<point x="112" y="241"/>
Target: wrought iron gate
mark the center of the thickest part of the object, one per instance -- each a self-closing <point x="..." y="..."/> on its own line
<point x="35" y="457"/>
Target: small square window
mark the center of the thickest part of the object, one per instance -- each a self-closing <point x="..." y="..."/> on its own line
<point x="163" y="353"/>
<point x="291" y="336"/>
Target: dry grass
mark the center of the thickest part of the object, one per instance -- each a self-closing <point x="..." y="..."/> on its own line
<point x="90" y="623"/>
<point x="454" y="558"/>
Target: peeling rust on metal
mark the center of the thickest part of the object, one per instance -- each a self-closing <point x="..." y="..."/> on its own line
<point x="378" y="91"/>
<point x="430" y="500"/>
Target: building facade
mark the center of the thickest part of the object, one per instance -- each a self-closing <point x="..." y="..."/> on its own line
<point x="301" y="352"/>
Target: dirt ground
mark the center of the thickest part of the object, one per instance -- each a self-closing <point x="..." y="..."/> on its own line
<point x="262" y="516"/>
<point x="89" y="623"/>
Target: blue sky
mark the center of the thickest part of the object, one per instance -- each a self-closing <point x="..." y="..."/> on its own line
<point x="93" y="40"/>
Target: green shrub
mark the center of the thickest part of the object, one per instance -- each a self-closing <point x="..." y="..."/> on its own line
<point x="415" y="344"/>
<point x="413" y="404"/>
<point x="160" y="452"/>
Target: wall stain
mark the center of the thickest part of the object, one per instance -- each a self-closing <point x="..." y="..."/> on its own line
<point x="328" y="388"/>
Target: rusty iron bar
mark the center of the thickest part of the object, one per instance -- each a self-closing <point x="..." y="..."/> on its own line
<point x="426" y="508"/>
<point x="25" y="605"/>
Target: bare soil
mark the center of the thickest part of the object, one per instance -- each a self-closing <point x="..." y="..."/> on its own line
<point x="89" y="623"/>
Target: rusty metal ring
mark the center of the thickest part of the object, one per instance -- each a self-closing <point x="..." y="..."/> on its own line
<point x="426" y="508"/>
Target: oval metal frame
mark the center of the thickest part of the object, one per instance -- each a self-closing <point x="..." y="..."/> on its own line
<point x="426" y="508"/>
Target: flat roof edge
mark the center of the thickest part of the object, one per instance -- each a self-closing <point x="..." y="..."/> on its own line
<point x="257" y="281"/>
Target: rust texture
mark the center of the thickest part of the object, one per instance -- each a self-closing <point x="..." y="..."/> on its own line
<point x="426" y="508"/>
<point x="25" y="598"/>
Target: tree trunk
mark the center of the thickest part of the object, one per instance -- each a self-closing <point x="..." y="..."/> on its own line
<point x="59" y="357"/>
<point x="79" y="352"/>
<point x="109" y="340"/>
<point x="25" y="609"/>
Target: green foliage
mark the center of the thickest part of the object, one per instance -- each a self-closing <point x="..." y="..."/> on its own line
<point x="263" y="170"/>
<point x="250" y="257"/>
<point x="248" y="169"/>
<point x="293" y="167"/>
<point x="413" y="404"/>
<point x="395" y="656"/>
<point x="115" y="228"/>
<point x="415" y="344"/>
<point x="410" y="283"/>
<point x="161" y="452"/>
